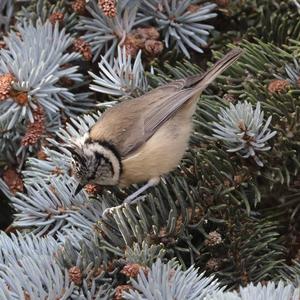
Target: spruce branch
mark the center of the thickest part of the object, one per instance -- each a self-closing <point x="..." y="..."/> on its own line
<point x="6" y="13"/>
<point x="29" y="270"/>
<point x="242" y="129"/>
<point x="46" y="10"/>
<point x="46" y="207"/>
<point x="293" y="72"/>
<point x="181" y="23"/>
<point x="36" y="80"/>
<point x="87" y="269"/>
<point x="144" y="254"/>
<point x="105" y="33"/>
<point x="261" y="292"/>
<point x="123" y="78"/>
<point x="169" y="281"/>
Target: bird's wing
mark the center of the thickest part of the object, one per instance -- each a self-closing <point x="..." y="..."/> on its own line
<point x="158" y="106"/>
<point x="158" y="114"/>
<point x="131" y="123"/>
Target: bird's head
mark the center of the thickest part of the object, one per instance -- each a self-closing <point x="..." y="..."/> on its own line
<point x="95" y="162"/>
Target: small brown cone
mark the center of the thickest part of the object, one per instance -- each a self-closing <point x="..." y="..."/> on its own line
<point x="146" y="33"/>
<point x="75" y="275"/>
<point x="278" y="86"/>
<point x="83" y="47"/>
<point x="132" y="270"/>
<point x="214" y="239"/>
<point x="154" y="48"/>
<point x="35" y="129"/>
<point x="108" y="7"/>
<point x="13" y="180"/>
<point x="120" y="289"/>
<point x="79" y="6"/>
<point x="57" y="17"/>
<point x="6" y="81"/>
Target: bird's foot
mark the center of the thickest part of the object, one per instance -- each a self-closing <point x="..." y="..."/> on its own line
<point x="111" y="210"/>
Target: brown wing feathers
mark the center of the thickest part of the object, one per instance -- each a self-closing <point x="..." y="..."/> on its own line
<point x="130" y="124"/>
<point x="164" y="110"/>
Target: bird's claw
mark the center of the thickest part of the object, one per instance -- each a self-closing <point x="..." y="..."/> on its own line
<point x="110" y="210"/>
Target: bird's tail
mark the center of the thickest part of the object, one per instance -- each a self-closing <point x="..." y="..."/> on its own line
<point x="200" y="82"/>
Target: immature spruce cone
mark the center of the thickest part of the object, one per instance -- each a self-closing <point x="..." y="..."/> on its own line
<point x="57" y="17"/>
<point x="75" y="275"/>
<point x="146" y="33"/>
<point x="79" y="6"/>
<point x="108" y="7"/>
<point x="132" y="45"/>
<point x="6" y="81"/>
<point x="13" y="180"/>
<point x="132" y="270"/>
<point x="154" y="48"/>
<point x="119" y="291"/>
<point x="83" y="47"/>
<point x="214" y="239"/>
<point x="35" y="129"/>
<point x="278" y="86"/>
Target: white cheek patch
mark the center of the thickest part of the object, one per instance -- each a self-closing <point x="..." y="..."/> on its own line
<point x="90" y="149"/>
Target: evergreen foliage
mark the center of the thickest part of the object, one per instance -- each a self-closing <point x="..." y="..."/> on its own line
<point x="224" y="225"/>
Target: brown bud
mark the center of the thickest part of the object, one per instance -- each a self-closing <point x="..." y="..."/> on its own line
<point x="21" y="97"/>
<point x="132" y="270"/>
<point x="229" y="98"/>
<point x="66" y="81"/>
<point x="57" y="17"/>
<point x="213" y="264"/>
<point x="132" y="45"/>
<point x="108" y="7"/>
<point x="41" y="155"/>
<point x="27" y="296"/>
<point x="35" y="129"/>
<point x="146" y="33"/>
<point x="195" y="215"/>
<point x="2" y="44"/>
<point x="154" y="48"/>
<point x="79" y="6"/>
<point x="75" y="275"/>
<point x="13" y="180"/>
<point x="57" y="171"/>
<point x="6" y="81"/>
<point x="120" y="289"/>
<point x="278" y="86"/>
<point x="92" y="189"/>
<point x="83" y="47"/>
<point x="214" y="238"/>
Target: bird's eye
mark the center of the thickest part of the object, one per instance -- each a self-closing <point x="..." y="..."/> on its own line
<point x="75" y="165"/>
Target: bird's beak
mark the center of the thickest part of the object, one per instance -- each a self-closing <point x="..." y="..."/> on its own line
<point x="78" y="189"/>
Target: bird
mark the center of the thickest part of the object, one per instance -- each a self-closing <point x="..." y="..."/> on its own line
<point x="142" y="139"/>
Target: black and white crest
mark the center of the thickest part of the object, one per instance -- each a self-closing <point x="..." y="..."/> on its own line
<point x="95" y="162"/>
